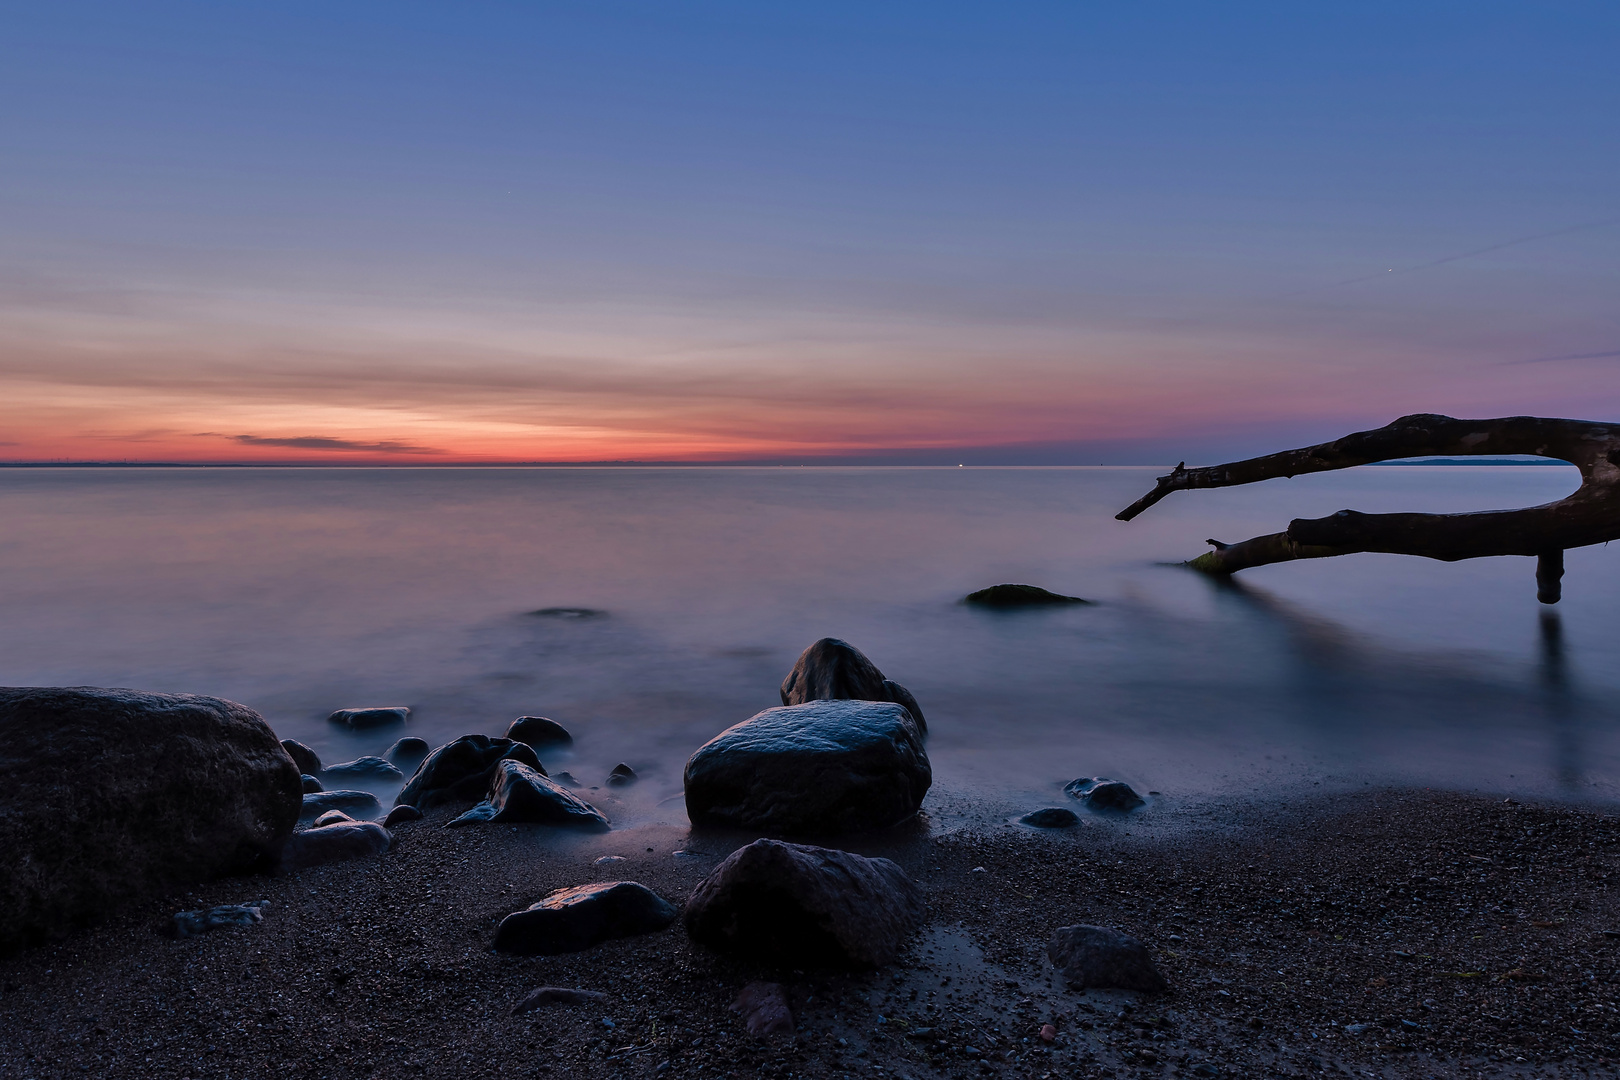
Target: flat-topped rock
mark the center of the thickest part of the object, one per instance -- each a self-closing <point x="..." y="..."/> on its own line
<point x="1017" y="596"/>
<point x="519" y="794"/>
<point x="368" y="768"/>
<point x="823" y="767"/>
<point x="371" y="716"/>
<point x="831" y="669"/>
<point x="570" y="920"/>
<point x="463" y="769"/>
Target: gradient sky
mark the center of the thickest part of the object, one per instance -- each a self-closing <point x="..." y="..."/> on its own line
<point x="1037" y="232"/>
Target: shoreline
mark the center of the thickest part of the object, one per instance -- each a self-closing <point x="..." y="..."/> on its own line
<point x="1466" y="933"/>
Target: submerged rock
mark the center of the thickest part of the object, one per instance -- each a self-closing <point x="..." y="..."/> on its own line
<point x="1096" y="958"/>
<point x="519" y="794"/>
<point x="824" y="767"/>
<point x="763" y="1007"/>
<point x="571" y="920"/>
<point x="401" y="814"/>
<point x="800" y="906"/>
<point x="408" y="751"/>
<point x="307" y="760"/>
<point x="622" y="775"/>
<point x="109" y="796"/>
<point x="463" y="770"/>
<point x="309" y="784"/>
<point x="1015" y="596"/>
<point x="1101" y="793"/>
<point x="372" y="716"/>
<point x="1051" y="817"/>
<point x="557" y="995"/>
<point x="354" y="803"/>
<point x="371" y="768"/>
<point x="335" y="843"/>
<point x="832" y="670"/>
<point x="194" y="923"/>
<point x="538" y="731"/>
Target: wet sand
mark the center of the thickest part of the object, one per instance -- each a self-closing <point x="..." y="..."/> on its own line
<point x="1383" y="933"/>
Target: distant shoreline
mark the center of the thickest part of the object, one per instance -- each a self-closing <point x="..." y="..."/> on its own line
<point x="1454" y="461"/>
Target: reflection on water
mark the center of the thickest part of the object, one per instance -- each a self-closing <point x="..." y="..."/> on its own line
<point x="646" y="609"/>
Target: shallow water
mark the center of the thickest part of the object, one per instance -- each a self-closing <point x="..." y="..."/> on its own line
<point x="298" y="591"/>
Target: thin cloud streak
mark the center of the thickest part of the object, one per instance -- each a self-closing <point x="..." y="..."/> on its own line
<point x="1571" y="356"/>
<point x="323" y="442"/>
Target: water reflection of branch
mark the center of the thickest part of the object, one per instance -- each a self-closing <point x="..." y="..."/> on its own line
<point x="1559" y="699"/>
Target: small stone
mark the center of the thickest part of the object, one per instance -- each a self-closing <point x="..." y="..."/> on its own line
<point x="1094" y="957"/>
<point x="334" y="843"/>
<point x="557" y="995"/>
<point x="192" y="923"/>
<point x="1048" y="1033"/>
<point x="609" y="860"/>
<point x="978" y="870"/>
<point x="331" y="817"/>
<point x="408" y="751"/>
<point x="401" y="814"/>
<point x="357" y="804"/>
<point x="538" y="731"/>
<point x="1101" y="793"/>
<point x="372" y="716"/>
<point x="570" y="920"/>
<point x="1017" y="596"/>
<point x="621" y="775"/>
<point x="763" y="1007"/>
<point x="307" y="760"/>
<point x="310" y="784"/>
<point x="1051" y="817"/>
<point x="373" y="768"/>
<point x="567" y="779"/>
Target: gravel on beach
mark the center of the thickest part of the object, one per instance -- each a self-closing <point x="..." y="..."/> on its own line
<point x="1375" y="933"/>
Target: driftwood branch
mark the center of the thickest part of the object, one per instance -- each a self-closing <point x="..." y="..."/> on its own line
<point x="1591" y="515"/>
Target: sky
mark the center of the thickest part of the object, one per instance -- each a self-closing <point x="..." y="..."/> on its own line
<point x="1035" y="233"/>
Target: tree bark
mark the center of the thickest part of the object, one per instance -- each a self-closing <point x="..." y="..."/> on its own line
<point x="1591" y="515"/>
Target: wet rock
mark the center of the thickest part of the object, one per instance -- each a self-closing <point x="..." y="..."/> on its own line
<point x="824" y="767"/>
<point x="401" y="814"/>
<point x="800" y="906"/>
<point x="538" y="731"/>
<point x="1017" y="596"/>
<point x="359" y="804"/>
<point x="622" y="775"/>
<point x="366" y="768"/>
<point x="193" y="923"/>
<point x="307" y="760"/>
<point x="519" y="794"/>
<point x="336" y="843"/>
<point x="1096" y="958"/>
<point x="570" y="920"/>
<point x="372" y="716"/>
<point x="111" y="796"/>
<point x="407" y="752"/>
<point x="1051" y="817"/>
<point x="831" y="670"/>
<point x="463" y="770"/>
<point x="763" y="1007"/>
<point x="1101" y="793"/>
<point x="557" y="995"/>
<point x="569" y="613"/>
<point x="310" y="784"/>
<point x="331" y="817"/>
<point x="567" y="779"/>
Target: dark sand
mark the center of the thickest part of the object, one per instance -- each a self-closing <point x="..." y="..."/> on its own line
<point x="1468" y="935"/>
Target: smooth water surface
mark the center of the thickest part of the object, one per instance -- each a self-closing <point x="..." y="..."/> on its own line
<point x="297" y="591"/>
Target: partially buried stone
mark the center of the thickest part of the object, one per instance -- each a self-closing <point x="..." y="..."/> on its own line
<point x="193" y="923"/>
<point x="1051" y="817"/>
<point x="371" y="716"/>
<point x="831" y="670"/>
<point x="621" y="775"/>
<point x="571" y="920"/>
<point x="1101" y="793"/>
<point x="824" y="767"/>
<point x="408" y="751"/>
<point x="763" y="1007"/>
<point x="463" y="769"/>
<point x="1096" y="958"/>
<point x="331" y="817"/>
<point x="310" y="784"/>
<point x="373" y="768"/>
<point x="354" y="803"/>
<point x="557" y="995"/>
<point x="401" y="814"/>
<point x="334" y="843"/>
<point x="518" y="794"/>
<point x="538" y="731"/>
<point x="801" y="906"/>
<point x="1015" y="596"/>
<point x="306" y="759"/>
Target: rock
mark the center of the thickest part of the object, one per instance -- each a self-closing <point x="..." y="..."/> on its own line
<point x="1016" y="596"/>
<point x="368" y="768"/>
<point x="310" y="784"/>
<point x="538" y="731"/>
<point x="331" y="817"/>
<point x="306" y="759"/>
<point x="334" y="843"/>
<point x="1051" y="817"/>
<point x="193" y="923"/>
<point x="608" y="860"/>
<point x="373" y="716"/>
<point x="1101" y="793"/>
<point x="518" y="794"/>
<point x="570" y="920"/>
<point x="463" y="770"/>
<point x="799" y="906"/>
<point x="401" y="814"/>
<point x="832" y="670"/>
<point x="112" y="796"/>
<point x="763" y="1007"/>
<point x="557" y="995"/>
<point x="569" y="613"/>
<point x="568" y="779"/>
<point x="622" y="775"/>
<point x="824" y="767"/>
<point x="362" y="804"/>
<point x="408" y="751"/>
<point x="1096" y="958"/>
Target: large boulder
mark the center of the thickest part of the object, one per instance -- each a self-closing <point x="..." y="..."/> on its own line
<point x="519" y="794"/>
<point x="463" y="770"/>
<point x="823" y="768"/>
<point x="800" y="906"/>
<point x="108" y="796"/>
<point x="570" y="920"/>
<point x="831" y="669"/>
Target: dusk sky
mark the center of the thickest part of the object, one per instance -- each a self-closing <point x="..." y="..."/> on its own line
<point x="993" y="233"/>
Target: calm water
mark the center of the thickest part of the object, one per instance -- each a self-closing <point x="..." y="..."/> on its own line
<point x="300" y="591"/>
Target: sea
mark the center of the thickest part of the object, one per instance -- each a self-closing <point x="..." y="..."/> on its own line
<point x="647" y="609"/>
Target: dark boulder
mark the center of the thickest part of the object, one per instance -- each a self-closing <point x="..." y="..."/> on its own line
<point x="112" y="796"/>
<point x="401" y="814"/>
<point x="309" y="784"/>
<point x="354" y="803"/>
<point x="570" y="920"/>
<point x="1016" y="596"/>
<point x="1101" y="793"/>
<point x="1051" y="817"/>
<point x="365" y="768"/>
<point x="538" y="731"/>
<point x="622" y="775"/>
<point x="832" y="670"/>
<point x="307" y="760"/>
<point x="1096" y="958"/>
<point x="519" y="794"/>
<point x="824" y="767"/>
<point x="799" y="906"/>
<point x="408" y="751"/>
<point x="463" y="770"/>
<point x="372" y="716"/>
<point x="336" y="843"/>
